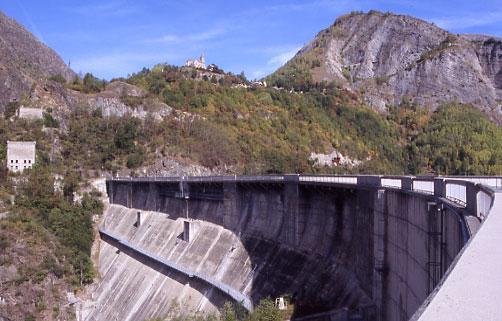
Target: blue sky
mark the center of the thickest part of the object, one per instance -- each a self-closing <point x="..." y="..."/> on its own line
<point x="117" y="37"/>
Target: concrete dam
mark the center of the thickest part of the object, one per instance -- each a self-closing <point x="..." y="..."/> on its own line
<point x="343" y="247"/>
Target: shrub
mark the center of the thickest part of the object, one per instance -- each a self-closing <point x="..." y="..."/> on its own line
<point x="4" y="242"/>
<point x="382" y="80"/>
<point x="49" y="121"/>
<point x="10" y="109"/>
<point x="137" y="158"/>
<point x="58" y="78"/>
<point x="30" y="317"/>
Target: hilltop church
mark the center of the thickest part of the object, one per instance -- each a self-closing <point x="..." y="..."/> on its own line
<point x="197" y="63"/>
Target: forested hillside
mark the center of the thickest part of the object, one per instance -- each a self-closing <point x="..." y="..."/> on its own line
<point x="269" y="130"/>
<point x="230" y="125"/>
<point x="46" y="231"/>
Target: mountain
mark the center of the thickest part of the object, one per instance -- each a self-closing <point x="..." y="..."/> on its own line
<point x="388" y="57"/>
<point x="24" y="61"/>
<point x="168" y="120"/>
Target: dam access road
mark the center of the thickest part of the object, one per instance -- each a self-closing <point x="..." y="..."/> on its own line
<point x="344" y="247"/>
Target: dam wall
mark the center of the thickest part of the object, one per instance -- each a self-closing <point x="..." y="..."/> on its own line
<point x="374" y="246"/>
<point x="422" y="238"/>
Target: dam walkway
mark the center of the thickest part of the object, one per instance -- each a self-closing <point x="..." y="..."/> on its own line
<point x="473" y="286"/>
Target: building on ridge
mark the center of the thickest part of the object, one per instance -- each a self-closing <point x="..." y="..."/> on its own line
<point x="20" y="155"/>
<point x="197" y="63"/>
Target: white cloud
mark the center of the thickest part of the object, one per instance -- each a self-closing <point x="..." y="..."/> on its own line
<point x="206" y="35"/>
<point x="257" y="74"/>
<point x="202" y="36"/>
<point x="280" y="55"/>
<point x="324" y="4"/>
<point x="105" y="9"/>
<point x="76" y="36"/>
<point x="283" y="57"/>
<point x="119" y="64"/>
<point x="164" y="39"/>
<point x="481" y="19"/>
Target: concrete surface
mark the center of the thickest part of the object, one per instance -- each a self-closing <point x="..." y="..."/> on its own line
<point x="375" y="252"/>
<point x="473" y="287"/>
<point x="156" y="260"/>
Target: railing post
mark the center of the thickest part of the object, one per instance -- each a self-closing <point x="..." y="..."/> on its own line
<point x="439" y="187"/>
<point x="129" y="194"/>
<point x="110" y="188"/>
<point x="292" y="177"/>
<point x="471" y="192"/>
<point x="369" y="180"/>
<point x="407" y="183"/>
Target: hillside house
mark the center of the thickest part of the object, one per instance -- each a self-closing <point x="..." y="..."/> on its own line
<point x="20" y="155"/>
<point x="30" y="113"/>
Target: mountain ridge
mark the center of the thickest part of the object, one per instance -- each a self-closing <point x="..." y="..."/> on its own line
<point x="24" y="61"/>
<point x="389" y="56"/>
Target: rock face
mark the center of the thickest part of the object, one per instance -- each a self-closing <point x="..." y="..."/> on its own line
<point x="391" y="56"/>
<point x="125" y="89"/>
<point x="50" y="94"/>
<point x="24" y="61"/>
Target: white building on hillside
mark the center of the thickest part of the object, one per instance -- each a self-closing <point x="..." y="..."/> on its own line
<point x="30" y="113"/>
<point x="197" y="63"/>
<point x="20" y="155"/>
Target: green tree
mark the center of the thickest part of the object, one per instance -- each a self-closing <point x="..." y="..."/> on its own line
<point x="266" y="311"/>
<point x="227" y="313"/>
<point x="50" y="121"/>
<point x="58" y="78"/>
<point x="10" y="109"/>
<point x="70" y="184"/>
<point x="76" y="80"/>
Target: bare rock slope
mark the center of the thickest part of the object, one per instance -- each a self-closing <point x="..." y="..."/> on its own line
<point x="390" y="56"/>
<point x="24" y="61"/>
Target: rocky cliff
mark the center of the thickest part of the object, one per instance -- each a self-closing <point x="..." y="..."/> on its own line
<point x="390" y="56"/>
<point x="24" y="61"/>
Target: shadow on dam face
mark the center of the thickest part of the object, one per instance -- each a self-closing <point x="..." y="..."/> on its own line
<point x="377" y="253"/>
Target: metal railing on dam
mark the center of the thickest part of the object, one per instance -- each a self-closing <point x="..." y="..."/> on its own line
<point x="471" y="192"/>
<point x="405" y="213"/>
<point x="233" y="293"/>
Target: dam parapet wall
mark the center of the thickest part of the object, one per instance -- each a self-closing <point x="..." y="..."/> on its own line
<point x="377" y="245"/>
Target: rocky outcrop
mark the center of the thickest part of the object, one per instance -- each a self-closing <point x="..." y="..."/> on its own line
<point x="390" y="56"/>
<point x="489" y="50"/>
<point x="24" y="61"/>
<point x="334" y="159"/>
<point x="111" y="101"/>
<point x="124" y="89"/>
